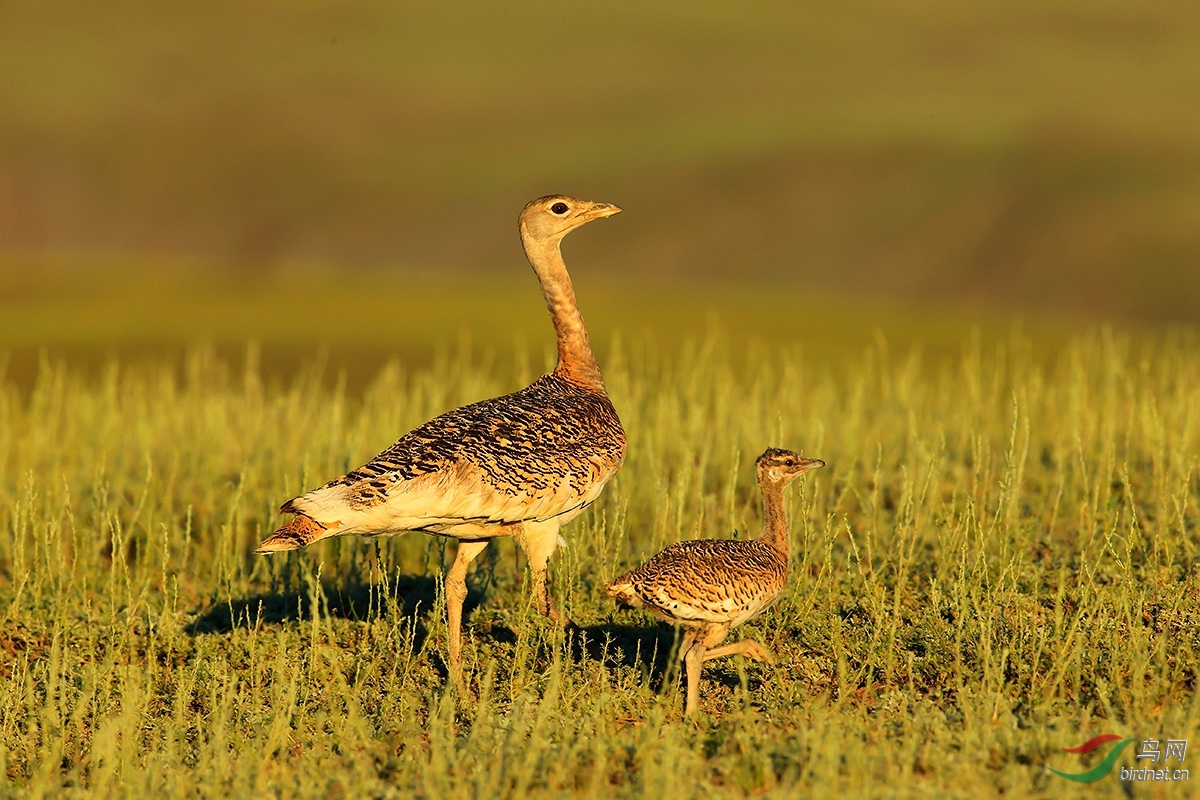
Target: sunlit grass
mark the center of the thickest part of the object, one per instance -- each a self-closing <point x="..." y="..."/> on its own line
<point x="90" y="310"/>
<point x="1000" y="561"/>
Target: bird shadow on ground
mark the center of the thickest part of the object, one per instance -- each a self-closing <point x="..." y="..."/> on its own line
<point x="413" y="596"/>
<point x="653" y="650"/>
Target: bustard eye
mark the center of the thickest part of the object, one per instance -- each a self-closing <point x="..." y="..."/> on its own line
<point x="559" y="208"/>
<point x="790" y="462"/>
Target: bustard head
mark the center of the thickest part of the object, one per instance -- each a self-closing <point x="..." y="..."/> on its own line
<point x="783" y="466"/>
<point x="548" y="219"/>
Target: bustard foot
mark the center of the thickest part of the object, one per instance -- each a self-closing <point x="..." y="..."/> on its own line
<point x="757" y="652"/>
<point x="747" y="647"/>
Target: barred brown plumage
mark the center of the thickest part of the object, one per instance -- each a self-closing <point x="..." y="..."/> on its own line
<point x="552" y="430"/>
<point x="521" y="465"/>
<point x="710" y="586"/>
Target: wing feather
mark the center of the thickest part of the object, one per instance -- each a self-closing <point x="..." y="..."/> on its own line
<point x="544" y="452"/>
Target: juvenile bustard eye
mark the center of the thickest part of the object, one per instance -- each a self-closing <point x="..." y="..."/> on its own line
<point x="559" y="208"/>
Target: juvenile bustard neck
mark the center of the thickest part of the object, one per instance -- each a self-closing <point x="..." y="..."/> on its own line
<point x="575" y="358"/>
<point x="775" y="525"/>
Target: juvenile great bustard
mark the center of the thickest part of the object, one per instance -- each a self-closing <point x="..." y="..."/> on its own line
<point x="521" y="465"/>
<point x="709" y="586"/>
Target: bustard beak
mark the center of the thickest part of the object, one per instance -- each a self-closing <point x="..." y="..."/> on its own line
<point x="808" y="464"/>
<point x="600" y="211"/>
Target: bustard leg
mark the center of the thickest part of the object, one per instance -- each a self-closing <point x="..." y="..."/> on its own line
<point x="539" y="541"/>
<point x="689" y="638"/>
<point x="747" y="647"/>
<point x="456" y="593"/>
<point x="695" y="657"/>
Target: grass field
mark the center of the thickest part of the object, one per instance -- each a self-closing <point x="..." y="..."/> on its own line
<point x="244" y="246"/>
<point x="1001" y="560"/>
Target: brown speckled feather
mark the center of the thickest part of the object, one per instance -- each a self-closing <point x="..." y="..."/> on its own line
<point x="545" y="450"/>
<point x="525" y="443"/>
<point x="706" y="581"/>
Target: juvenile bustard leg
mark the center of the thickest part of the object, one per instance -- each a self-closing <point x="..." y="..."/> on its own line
<point x="747" y="647"/>
<point x="539" y="541"/>
<point x="689" y="638"/>
<point x="456" y="593"/>
<point x="685" y="648"/>
<point x="694" y="658"/>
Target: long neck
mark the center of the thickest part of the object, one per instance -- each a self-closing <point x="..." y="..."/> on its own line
<point x="575" y="358"/>
<point x="775" y="524"/>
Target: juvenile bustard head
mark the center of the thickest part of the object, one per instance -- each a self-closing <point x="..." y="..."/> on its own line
<point x="781" y="467"/>
<point x="548" y="219"/>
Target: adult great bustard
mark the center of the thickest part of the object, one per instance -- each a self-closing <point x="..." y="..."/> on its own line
<point x="708" y="586"/>
<point x="521" y="465"/>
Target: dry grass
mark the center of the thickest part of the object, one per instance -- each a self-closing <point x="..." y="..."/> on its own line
<point x="1000" y="561"/>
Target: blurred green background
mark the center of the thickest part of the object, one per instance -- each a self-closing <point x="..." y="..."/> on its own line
<point x="300" y="172"/>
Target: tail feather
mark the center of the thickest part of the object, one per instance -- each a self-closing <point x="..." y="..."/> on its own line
<point x="301" y="531"/>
